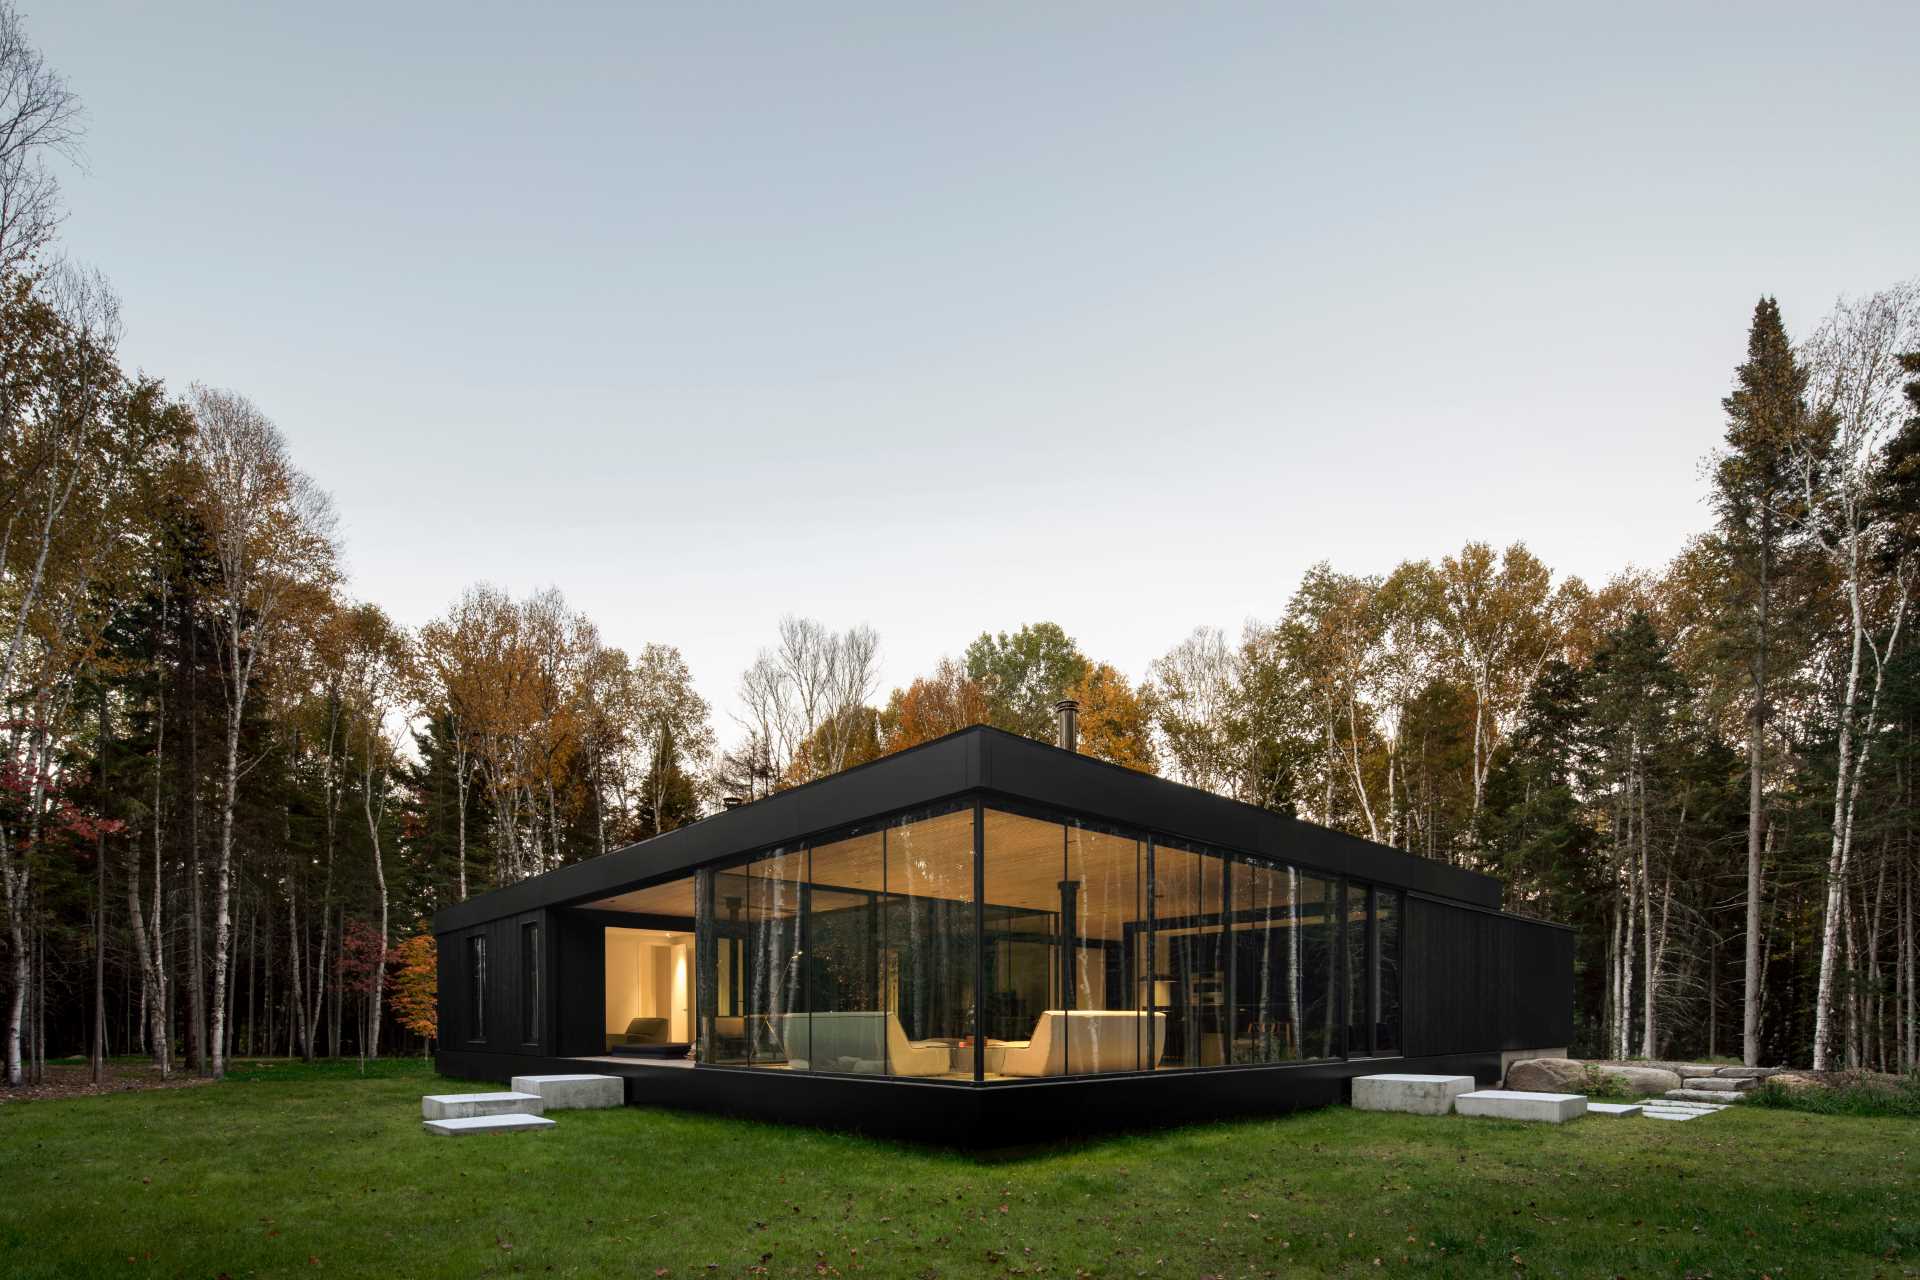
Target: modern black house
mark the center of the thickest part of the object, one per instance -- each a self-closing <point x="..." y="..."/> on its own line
<point x="988" y="940"/>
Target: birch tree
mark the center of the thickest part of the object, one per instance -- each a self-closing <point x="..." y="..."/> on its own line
<point x="379" y="671"/>
<point x="270" y="531"/>
<point x="1499" y="616"/>
<point x="39" y="119"/>
<point x="1855" y="384"/>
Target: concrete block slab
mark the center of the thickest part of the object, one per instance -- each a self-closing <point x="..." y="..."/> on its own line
<point x="1672" y="1115"/>
<point x="459" y="1106"/>
<point x="1747" y="1073"/>
<point x="464" y="1125"/>
<point x="1720" y="1084"/>
<point x="1514" y="1104"/>
<point x="1416" y="1094"/>
<point x="1720" y="1096"/>
<point x="1695" y="1070"/>
<point x="1668" y="1104"/>
<point x="1613" y="1108"/>
<point x="574" y="1092"/>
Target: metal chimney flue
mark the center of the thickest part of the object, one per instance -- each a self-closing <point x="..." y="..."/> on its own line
<point x="1067" y="733"/>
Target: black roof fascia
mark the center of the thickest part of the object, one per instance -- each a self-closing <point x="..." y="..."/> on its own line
<point x="978" y="758"/>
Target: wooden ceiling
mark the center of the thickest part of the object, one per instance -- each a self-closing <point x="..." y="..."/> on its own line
<point x="1026" y="862"/>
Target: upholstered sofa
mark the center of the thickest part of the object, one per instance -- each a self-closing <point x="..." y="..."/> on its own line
<point x="1085" y="1041"/>
<point x="647" y="1038"/>
<point x="860" y="1041"/>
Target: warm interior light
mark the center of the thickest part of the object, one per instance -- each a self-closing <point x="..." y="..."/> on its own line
<point x="647" y="977"/>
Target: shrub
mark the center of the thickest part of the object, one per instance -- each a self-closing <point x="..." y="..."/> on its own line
<point x="1601" y="1083"/>
<point x="1886" y="1096"/>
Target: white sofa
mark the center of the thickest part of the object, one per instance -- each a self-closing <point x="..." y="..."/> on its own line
<point x="860" y="1041"/>
<point x="1085" y="1041"/>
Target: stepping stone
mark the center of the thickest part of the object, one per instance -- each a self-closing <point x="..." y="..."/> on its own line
<point x="1673" y="1115"/>
<point x="1418" y="1095"/>
<point x="459" y="1106"/>
<point x="1613" y="1108"/>
<point x="1720" y="1084"/>
<point x="574" y="1093"/>
<point x="1693" y="1070"/>
<point x="1719" y="1096"/>
<point x="1515" y="1104"/>
<point x="464" y="1125"/>
<point x="1747" y="1073"/>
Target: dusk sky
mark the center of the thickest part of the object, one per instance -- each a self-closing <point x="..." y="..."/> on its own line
<point x="952" y="319"/>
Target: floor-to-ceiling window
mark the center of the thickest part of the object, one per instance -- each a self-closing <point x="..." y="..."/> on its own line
<point x="1359" y="971"/>
<point x="1061" y="922"/>
<point x="1099" y="950"/>
<point x="851" y="954"/>
<point x="1265" y="962"/>
<point x="1189" y="974"/>
<point x="1317" y="956"/>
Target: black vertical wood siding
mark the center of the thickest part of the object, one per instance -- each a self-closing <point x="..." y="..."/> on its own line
<point x="580" y="986"/>
<point x="1478" y="980"/>
<point x="506" y="986"/>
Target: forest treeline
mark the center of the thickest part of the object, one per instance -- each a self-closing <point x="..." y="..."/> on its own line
<point x="232" y="793"/>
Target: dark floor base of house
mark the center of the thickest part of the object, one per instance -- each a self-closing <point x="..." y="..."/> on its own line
<point x="1011" y="1114"/>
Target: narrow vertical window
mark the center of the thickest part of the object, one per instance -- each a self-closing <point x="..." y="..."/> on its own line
<point x="477" y="987"/>
<point x="1359" y="918"/>
<point x="1387" y="930"/>
<point x="530" y="983"/>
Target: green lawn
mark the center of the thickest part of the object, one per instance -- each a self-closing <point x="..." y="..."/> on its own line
<point x="296" y="1171"/>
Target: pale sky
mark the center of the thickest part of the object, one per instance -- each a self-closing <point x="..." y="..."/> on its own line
<point x="950" y="318"/>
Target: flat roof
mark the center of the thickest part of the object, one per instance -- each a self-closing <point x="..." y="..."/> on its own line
<point x="993" y="763"/>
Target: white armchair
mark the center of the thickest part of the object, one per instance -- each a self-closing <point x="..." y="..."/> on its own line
<point x="1087" y="1041"/>
<point x="866" y="1042"/>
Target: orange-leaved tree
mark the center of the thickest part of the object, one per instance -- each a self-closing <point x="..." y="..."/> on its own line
<point x="416" y="985"/>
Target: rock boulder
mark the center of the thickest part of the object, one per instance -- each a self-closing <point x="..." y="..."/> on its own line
<point x="1547" y="1075"/>
<point x="1637" y="1078"/>
<point x="1569" y="1075"/>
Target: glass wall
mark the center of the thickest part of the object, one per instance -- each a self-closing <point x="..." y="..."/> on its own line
<point x="1265" y="942"/>
<point x="1099" y="950"/>
<point x="1063" y="926"/>
<point x="931" y="959"/>
<point x="1318" y="926"/>
<point x="1189" y="978"/>
<point x="1360" y="974"/>
<point x="853" y="954"/>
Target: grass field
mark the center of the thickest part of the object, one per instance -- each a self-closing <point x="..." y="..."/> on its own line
<point x="288" y="1170"/>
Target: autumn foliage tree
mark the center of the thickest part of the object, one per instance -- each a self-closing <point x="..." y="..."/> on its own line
<point x="415" y="964"/>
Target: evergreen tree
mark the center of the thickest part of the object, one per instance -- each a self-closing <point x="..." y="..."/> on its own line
<point x="1757" y="501"/>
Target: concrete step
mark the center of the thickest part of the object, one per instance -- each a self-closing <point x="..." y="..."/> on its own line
<point x="1516" y="1104"/>
<point x="1416" y="1094"/>
<point x="1722" y="1096"/>
<point x="1748" y="1073"/>
<point x="460" y="1106"/>
<point x="1721" y="1084"/>
<point x="574" y="1092"/>
<point x="1613" y="1108"/>
<point x="1652" y="1114"/>
<point x="462" y="1126"/>
<point x="1668" y="1104"/>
